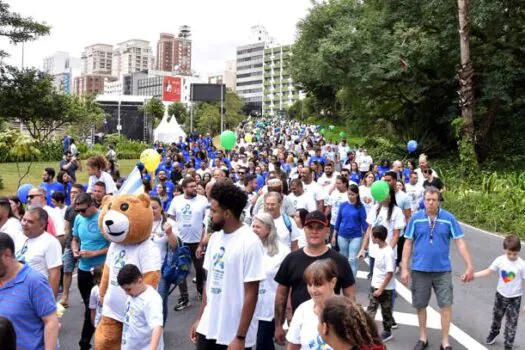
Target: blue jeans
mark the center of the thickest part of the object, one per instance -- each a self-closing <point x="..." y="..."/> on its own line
<point x="349" y="248"/>
<point x="164" y="289"/>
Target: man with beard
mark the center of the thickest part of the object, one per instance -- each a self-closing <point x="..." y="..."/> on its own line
<point x="163" y="180"/>
<point x="327" y="180"/>
<point x="234" y="261"/>
<point x="98" y="193"/>
<point x="189" y="210"/>
<point x="49" y="185"/>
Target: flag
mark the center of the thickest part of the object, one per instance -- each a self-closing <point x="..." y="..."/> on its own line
<point x="133" y="184"/>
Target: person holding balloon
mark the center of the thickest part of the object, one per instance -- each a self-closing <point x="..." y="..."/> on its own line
<point x="385" y="212"/>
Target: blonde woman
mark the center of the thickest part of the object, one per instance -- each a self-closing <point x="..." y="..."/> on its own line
<point x="275" y="252"/>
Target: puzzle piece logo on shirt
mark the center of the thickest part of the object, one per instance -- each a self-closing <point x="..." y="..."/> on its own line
<point x="507" y="276"/>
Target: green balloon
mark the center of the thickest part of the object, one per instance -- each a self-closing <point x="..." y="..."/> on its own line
<point x="323" y="131"/>
<point x="228" y="140"/>
<point x="380" y="190"/>
<point x="342" y="134"/>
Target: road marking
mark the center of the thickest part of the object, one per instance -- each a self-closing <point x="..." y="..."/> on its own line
<point x="433" y="318"/>
<point x="484" y="231"/>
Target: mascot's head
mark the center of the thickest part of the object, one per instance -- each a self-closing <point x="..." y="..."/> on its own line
<point x="126" y="219"/>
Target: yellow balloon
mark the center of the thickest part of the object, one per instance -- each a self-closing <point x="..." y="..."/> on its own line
<point x="248" y="138"/>
<point x="151" y="159"/>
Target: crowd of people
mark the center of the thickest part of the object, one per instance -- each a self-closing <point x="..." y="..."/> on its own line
<point x="276" y="227"/>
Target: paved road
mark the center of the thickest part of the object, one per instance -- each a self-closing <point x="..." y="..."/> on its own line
<point x="472" y="311"/>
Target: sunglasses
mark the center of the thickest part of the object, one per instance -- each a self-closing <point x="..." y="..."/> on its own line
<point x="81" y="210"/>
<point x="241" y="173"/>
<point x="31" y="196"/>
<point x="427" y="171"/>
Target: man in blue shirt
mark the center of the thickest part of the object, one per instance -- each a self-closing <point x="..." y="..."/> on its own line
<point x="90" y="247"/>
<point x="428" y="236"/>
<point x="26" y="299"/>
<point x="49" y="185"/>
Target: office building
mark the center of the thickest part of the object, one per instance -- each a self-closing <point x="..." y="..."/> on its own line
<point x="227" y="77"/>
<point x="131" y="56"/>
<point x="279" y="92"/>
<point x="97" y="59"/>
<point x="89" y="84"/>
<point x="174" y="52"/>
<point x="63" y="68"/>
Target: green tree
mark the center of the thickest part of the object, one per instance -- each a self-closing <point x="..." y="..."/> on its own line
<point x="154" y="109"/>
<point x="28" y="96"/>
<point x="18" y="29"/>
<point x="209" y="118"/>
<point x="179" y="111"/>
<point x="233" y="113"/>
<point x="209" y="114"/>
<point x="87" y="115"/>
<point x="20" y="147"/>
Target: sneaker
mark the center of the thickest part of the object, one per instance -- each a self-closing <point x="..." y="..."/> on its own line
<point x="386" y="336"/>
<point x="183" y="304"/>
<point x="394" y="324"/>
<point x="448" y="347"/>
<point x="421" y="345"/>
<point x="491" y="339"/>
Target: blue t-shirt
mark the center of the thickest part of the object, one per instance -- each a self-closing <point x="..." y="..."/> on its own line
<point x="432" y="255"/>
<point x="24" y="301"/>
<point x="50" y="189"/>
<point x="351" y="221"/>
<point x="355" y="177"/>
<point x="90" y="239"/>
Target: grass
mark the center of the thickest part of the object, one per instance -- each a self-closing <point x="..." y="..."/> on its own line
<point x="10" y="176"/>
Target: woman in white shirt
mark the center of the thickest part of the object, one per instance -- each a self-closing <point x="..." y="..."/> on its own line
<point x="162" y="235"/>
<point x="320" y="277"/>
<point x="365" y="193"/>
<point x="275" y="252"/>
<point x="95" y="167"/>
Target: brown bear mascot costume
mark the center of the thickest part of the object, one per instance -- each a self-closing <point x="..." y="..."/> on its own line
<point x="126" y="221"/>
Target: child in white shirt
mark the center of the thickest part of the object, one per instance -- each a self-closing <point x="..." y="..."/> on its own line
<point x="95" y="304"/>
<point x="383" y="283"/>
<point x="511" y="284"/>
<point x="142" y="329"/>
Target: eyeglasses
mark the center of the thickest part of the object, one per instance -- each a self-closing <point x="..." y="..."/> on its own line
<point x="31" y="196"/>
<point x="427" y="171"/>
<point x="81" y="210"/>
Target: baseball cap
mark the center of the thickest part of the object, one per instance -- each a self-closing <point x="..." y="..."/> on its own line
<point x="316" y="217"/>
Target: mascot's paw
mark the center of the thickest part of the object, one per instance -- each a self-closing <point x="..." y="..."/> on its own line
<point x="108" y="335"/>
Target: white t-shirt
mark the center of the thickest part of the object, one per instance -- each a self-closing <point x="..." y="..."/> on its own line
<point x="304" y="201"/>
<point x="284" y="234"/>
<point x="268" y="287"/>
<point x="41" y="253"/>
<point x="57" y="216"/>
<point x="158" y="236"/>
<point x="328" y="182"/>
<point x="415" y="193"/>
<point x="106" y="179"/>
<point x="511" y="275"/>
<point x="189" y="214"/>
<point x="13" y="228"/>
<point x="316" y="191"/>
<point x="385" y="262"/>
<point x="364" y="163"/>
<point x="364" y="194"/>
<point x="143" y="255"/>
<point x="335" y="200"/>
<point x="143" y="314"/>
<point x="231" y="260"/>
<point x="397" y="222"/>
<point x="95" y="304"/>
<point x="303" y="328"/>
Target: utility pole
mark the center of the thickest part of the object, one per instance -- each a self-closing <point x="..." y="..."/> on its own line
<point x="222" y="108"/>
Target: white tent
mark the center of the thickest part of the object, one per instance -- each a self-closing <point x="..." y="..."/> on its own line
<point x="168" y="132"/>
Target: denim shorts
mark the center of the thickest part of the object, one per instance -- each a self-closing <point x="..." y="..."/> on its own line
<point x="68" y="260"/>
<point x="424" y="282"/>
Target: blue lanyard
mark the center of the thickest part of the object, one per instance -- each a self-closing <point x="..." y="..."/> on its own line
<point x="432" y="226"/>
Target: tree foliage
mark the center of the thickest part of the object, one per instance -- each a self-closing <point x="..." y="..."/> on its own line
<point x="154" y="108"/>
<point x="28" y="96"/>
<point x="209" y="114"/>
<point x="19" y="29"/>
<point x="20" y="147"/>
<point x="390" y="68"/>
<point x="179" y="111"/>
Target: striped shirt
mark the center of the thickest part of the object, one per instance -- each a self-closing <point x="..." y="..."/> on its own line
<point x="432" y="240"/>
<point x="25" y="300"/>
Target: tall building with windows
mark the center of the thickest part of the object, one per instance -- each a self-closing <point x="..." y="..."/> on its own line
<point x="278" y="89"/>
<point x="131" y="56"/>
<point x="97" y="59"/>
<point x="64" y="69"/>
<point x="174" y="52"/>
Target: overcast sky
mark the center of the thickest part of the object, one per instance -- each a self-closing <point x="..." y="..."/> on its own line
<point x="218" y="26"/>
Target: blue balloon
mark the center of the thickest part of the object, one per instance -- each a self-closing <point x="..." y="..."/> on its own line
<point x="23" y="191"/>
<point x="412" y="146"/>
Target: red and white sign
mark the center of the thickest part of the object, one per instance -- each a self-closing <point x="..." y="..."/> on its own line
<point x="171" y="89"/>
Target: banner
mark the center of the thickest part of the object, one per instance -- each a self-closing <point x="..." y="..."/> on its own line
<point x="171" y="87"/>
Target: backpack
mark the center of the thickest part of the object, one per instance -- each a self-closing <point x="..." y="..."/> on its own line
<point x="177" y="264"/>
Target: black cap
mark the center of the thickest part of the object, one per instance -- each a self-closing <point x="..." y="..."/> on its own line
<point x="316" y="217"/>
